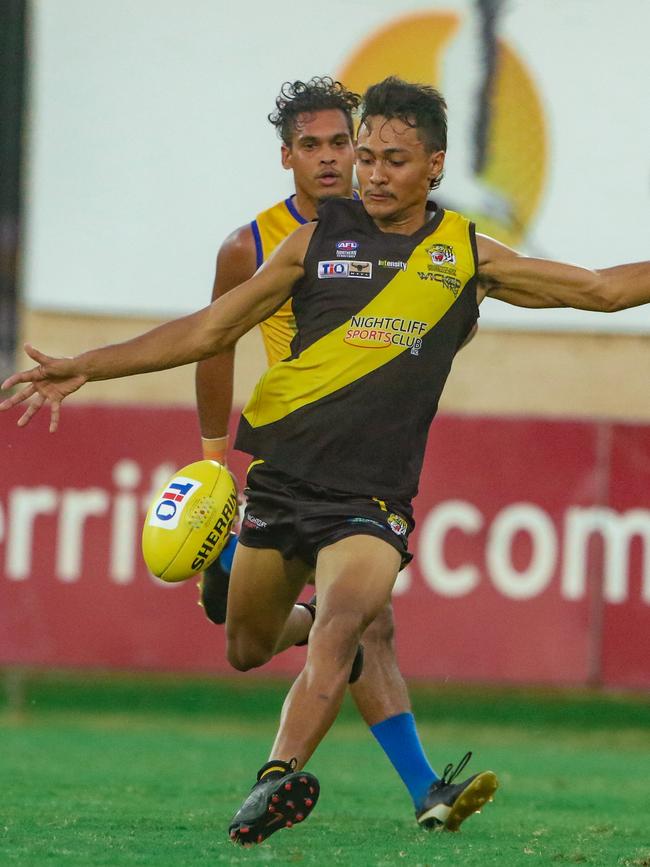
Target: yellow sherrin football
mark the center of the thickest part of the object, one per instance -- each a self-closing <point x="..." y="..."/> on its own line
<point x="189" y="521"/>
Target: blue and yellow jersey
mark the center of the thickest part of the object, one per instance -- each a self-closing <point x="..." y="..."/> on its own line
<point x="270" y="228"/>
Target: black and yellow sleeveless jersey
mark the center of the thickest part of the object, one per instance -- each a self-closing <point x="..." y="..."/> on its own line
<point x="269" y="229"/>
<point x="379" y="318"/>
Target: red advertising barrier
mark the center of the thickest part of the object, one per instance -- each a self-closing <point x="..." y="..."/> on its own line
<point x="532" y="551"/>
<point x="626" y="553"/>
<point x="488" y="553"/>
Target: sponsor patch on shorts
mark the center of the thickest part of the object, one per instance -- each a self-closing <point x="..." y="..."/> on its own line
<point x="397" y="524"/>
<point x="254" y="523"/>
<point x="367" y="521"/>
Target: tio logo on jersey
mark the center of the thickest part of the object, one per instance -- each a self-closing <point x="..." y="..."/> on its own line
<point x="336" y="268"/>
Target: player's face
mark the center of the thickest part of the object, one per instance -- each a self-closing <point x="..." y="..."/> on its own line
<point x="394" y="171"/>
<point x="321" y="155"/>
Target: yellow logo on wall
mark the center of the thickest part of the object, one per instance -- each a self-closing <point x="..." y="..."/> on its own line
<point x="515" y="157"/>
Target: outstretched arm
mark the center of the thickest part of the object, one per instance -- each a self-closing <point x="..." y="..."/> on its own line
<point x="527" y="282"/>
<point x="181" y="341"/>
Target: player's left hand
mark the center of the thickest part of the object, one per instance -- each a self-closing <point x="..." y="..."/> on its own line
<point x="51" y="381"/>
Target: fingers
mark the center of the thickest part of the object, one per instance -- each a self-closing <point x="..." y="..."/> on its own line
<point x="36" y="354"/>
<point x="55" y="412"/>
<point x="36" y="403"/>
<point x="18" y="397"/>
<point x="33" y="375"/>
<point x="32" y="408"/>
<point x="49" y="382"/>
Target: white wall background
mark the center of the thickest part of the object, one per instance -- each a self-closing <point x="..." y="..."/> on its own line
<point x="148" y="139"/>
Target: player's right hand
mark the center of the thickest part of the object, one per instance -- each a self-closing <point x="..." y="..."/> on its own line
<point x="50" y="382"/>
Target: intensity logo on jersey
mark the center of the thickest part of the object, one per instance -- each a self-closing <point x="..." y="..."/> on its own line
<point x="167" y="511"/>
<point x="379" y="332"/>
<point x="395" y="264"/>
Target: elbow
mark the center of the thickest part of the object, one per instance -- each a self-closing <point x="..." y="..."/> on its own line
<point x="615" y="305"/>
<point x="610" y="301"/>
<point x="218" y="341"/>
<point x="605" y="298"/>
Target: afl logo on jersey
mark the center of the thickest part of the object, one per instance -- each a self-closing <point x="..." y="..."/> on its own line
<point x="346" y="249"/>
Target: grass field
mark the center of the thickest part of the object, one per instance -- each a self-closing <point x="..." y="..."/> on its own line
<point x="123" y="771"/>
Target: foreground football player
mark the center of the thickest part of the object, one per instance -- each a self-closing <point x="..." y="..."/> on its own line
<point x="339" y="430"/>
<point x="315" y="122"/>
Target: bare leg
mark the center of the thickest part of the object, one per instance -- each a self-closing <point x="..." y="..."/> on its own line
<point x="380" y="692"/>
<point x="354" y="579"/>
<point x="261" y="617"/>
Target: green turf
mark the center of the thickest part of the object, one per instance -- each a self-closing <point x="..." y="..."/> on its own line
<point x="119" y="771"/>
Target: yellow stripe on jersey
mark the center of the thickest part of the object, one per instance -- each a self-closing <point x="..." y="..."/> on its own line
<point x="277" y="333"/>
<point x="404" y="311"/>
<point x="273" y="226"/>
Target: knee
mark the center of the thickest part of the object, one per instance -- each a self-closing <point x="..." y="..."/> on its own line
<point x="246" y="653"/>
<point x="381" y="632"/>
<point x="336" y="632"/>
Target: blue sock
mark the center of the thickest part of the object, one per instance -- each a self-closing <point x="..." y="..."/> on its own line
<point x="399" y="739"/>
<point x="225" y="558"/>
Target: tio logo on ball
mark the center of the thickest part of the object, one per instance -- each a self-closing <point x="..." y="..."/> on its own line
<point x="170" y="505"/>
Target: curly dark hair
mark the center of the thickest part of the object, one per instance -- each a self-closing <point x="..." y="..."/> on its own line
<point x="317" y="94"/>
<point x="417" y="105"/>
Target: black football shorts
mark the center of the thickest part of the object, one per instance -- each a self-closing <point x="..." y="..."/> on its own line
<point x="298" y="518"/>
